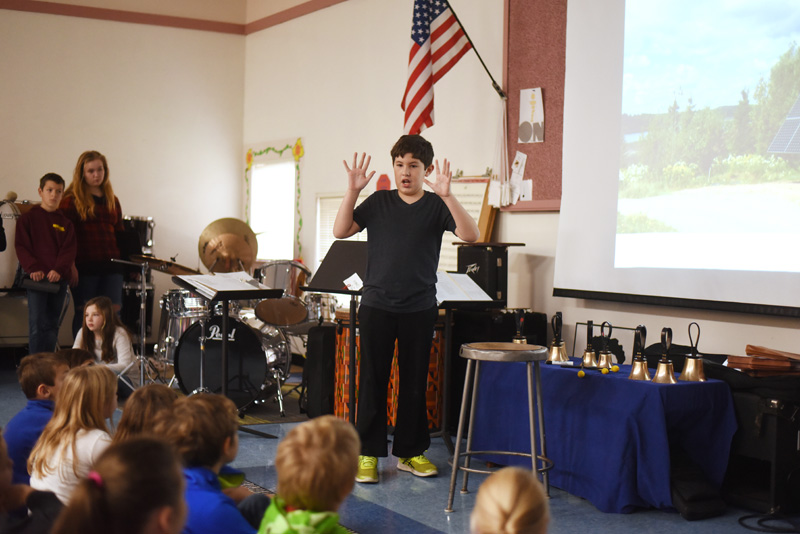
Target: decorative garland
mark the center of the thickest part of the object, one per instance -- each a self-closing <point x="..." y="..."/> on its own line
<point x="297" y="153"/>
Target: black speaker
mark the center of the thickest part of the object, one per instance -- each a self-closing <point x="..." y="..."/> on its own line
<point x="320" y="369"/>
<point x="487" y="265"/>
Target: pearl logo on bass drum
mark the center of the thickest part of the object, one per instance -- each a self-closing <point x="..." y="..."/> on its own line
<point x="215" y="333"/>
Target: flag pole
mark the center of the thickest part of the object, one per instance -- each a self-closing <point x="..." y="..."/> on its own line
<point x="494" y="83"/>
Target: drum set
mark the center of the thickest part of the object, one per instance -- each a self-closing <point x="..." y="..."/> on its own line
<point x="259" y="353"/>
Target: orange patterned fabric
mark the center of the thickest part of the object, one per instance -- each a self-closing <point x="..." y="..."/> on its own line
<point x="342" y="386"/>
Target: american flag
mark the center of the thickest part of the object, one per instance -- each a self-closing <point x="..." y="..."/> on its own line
<point x="437" y="43"/>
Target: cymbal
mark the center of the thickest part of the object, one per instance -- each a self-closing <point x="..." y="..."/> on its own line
<point x="227" y="245"/>
<point x="164" y="266"/>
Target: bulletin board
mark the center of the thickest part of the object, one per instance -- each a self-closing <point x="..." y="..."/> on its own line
<point x="535" y="57"/>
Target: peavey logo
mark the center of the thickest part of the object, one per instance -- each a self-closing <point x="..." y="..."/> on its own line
<point x="215" y="333"/>
<point x="472" y="268"/>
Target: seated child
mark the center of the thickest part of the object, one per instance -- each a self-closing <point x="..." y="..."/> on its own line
<point x="204" y="429"/>
<point x="77" y="433"/>
<point x="40" y="508"/>
<point x="316" y="463"/>
<point x="76" y="357"/>
<point x="141" y="410"/>
<point x="510" y="501"/>
<point x="135" y="487"/>
<point x="104" y="335"/>
<point x="40" y="376"/>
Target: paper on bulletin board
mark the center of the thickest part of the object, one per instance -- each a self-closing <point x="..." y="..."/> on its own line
<point x="517" y="174"/>
<point x="531" y="116"/>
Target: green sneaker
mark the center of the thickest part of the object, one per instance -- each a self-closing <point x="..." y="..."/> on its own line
<point x="367" y="470"/>
<point x="418" y="465"/>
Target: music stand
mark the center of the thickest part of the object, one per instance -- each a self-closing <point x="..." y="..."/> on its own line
<point x="343" y="259"/>
<point x="225" y="296"/>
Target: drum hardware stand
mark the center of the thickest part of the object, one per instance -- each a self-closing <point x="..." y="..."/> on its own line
<point x="142" y="357"/>
<point x="202" y="388"/>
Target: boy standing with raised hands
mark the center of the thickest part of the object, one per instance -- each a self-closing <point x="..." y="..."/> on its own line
<point x="398" y="301"/>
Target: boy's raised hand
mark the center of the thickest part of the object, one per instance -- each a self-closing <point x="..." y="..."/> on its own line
<point x="442" y="184"/>
<point x="357" y="177"/>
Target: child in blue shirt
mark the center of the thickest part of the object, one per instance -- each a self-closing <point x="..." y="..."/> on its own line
<point x="40" y="376"/>
<point x="204" y="429"/>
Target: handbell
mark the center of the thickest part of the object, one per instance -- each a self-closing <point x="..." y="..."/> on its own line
<point x="639" y="369"/>
<point x="604" y="357"/>
<point x="665" y="373"/>
<point x="558" y="349"/>
<point x="519" y="319"/>
<point x="557" y="352"/>
<point x="589" y="360"/>
<point x="693" y="370"/>
<point x="693" y="366"/>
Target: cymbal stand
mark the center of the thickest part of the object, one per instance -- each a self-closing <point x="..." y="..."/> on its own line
<point x="142" y="357"/>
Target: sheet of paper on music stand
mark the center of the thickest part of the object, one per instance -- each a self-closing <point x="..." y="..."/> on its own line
<point x="353" y="282"/>
<point x="209" y="285"/>
<point x="457" y="287"/>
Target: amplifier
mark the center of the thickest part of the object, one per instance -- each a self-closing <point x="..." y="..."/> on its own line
<point x="764" y="468"/>
<point x="488" y="267"/>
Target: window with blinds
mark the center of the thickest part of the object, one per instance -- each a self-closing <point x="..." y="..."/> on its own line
<point x="327" y="207"/>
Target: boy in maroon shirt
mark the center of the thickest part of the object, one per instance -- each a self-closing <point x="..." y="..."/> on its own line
<point x="46" y="246"/>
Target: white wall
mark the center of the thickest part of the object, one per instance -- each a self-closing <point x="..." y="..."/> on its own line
<point x="164" y="105"/>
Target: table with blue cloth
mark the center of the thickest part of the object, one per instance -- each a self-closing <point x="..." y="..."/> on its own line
<point x="609" y="437"/>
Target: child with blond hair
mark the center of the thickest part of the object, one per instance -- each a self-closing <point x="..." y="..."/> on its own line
<point x="316" y="463"/>
<point x="135" y="487"/>
<point x="77" y="433"/>
<point x="510" y="501"/>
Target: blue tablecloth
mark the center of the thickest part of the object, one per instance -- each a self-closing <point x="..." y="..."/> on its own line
<point x="609" y="437"/>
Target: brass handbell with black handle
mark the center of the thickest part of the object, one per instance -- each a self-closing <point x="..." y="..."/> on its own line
<point x="558" y="349"/>
<point x="639" y="368"/>
<point x="665" y="373"/>
<point x="604" y="358"/>
<point x="589" y="360"/>
<point x="693" y="365"/>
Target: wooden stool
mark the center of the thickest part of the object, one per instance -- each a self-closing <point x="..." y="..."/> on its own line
<point x="475" y="353"/>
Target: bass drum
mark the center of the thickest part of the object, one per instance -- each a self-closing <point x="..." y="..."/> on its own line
<point x="253" y="358"/>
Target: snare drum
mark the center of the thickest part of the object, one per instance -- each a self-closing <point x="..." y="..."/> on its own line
<point x="252" y="355"/>
<point x="180" y="310"/>
<point x="321" y="307"/>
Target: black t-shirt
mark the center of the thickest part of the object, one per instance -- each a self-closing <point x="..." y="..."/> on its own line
<point x="403" y="247"/>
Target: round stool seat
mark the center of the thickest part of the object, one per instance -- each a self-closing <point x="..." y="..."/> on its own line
<point x="503" y="352"/>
